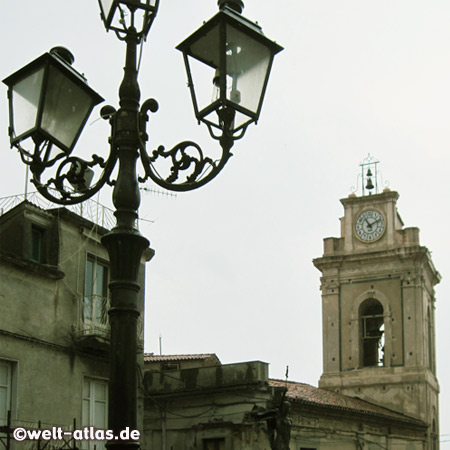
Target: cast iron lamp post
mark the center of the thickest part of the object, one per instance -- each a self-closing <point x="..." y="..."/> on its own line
<point x="50" y="102"/>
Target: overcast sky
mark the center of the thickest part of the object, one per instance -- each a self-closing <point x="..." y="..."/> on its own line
<point x="232" y="272"/>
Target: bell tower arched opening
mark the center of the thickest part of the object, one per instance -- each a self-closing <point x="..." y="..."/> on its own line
<point x="371" y="321"/>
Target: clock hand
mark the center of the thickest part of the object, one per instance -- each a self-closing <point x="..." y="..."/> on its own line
<point x="369" y="225"/>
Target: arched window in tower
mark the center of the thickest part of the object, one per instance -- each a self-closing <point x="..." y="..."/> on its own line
<point x="434" y="436"/>
<point x="371" y="333"/>
<point x="430" y="341"/>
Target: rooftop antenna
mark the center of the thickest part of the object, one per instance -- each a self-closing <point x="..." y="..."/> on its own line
<point x="157" y="192"/>
<point x="160" y="344"/>
<point x="26" y="183"/>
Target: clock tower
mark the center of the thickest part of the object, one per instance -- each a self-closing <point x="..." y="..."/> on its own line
<point x="378" y="308"/>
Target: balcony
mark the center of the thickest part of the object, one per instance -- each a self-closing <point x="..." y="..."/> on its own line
<point x="92" y="332"/>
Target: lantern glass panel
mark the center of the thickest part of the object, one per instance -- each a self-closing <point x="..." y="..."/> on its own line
<point x="204" y="60"/>
<point x="247" y="64"/>
<point x="206" y="92"/>
<point x="25" y="102"/>
<point x="207" y="48"/>
<point x="105" y="6"/>
<point x="66" y="107"/>
<point x="148" y="3"/>
<point x="139" y="4"/>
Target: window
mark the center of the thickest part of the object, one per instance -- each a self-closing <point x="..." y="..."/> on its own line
<point x="37" y="239"/>
<point x="372" y="332"/>
<point x="6" y="390"/>
<point x="170" y="366"/>
<point x="434" y="436"/>
<point x="431" y="364"/>
<point x="95" y="408"/>
<point x="95" y="309"/>
<point x="214" y="444"/>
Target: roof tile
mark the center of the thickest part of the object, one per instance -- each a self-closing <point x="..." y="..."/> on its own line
<point x="150" y="357"/>
<point x="305" y="393"/>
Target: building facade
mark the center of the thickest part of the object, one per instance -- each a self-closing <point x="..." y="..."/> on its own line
<point x="54" y="332"/>
<point x="192" y="402"/>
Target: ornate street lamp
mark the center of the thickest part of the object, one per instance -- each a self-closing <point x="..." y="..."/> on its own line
<point x="238" y="57"/>
<point x="49" y="105"/>
<point x="113" y="14"/>
<point x="49" y="102"/>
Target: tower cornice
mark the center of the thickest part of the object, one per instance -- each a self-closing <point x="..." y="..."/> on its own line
<point x="369" y="199"/>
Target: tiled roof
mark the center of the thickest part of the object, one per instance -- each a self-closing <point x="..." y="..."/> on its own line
<point x="150" y="357"/>
<point x="307" y="394"/>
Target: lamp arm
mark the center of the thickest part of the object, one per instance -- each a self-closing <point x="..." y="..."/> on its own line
<point x="55" y="189"/>
<point x="198" y="169"/>
<point x="40" y="159"/>
<point x="186" y="158"/>
<point x="235" y="137"/>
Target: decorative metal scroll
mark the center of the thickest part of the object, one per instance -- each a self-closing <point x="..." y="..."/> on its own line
<point x="189" y="168"/>
<point x="71" y="179"/>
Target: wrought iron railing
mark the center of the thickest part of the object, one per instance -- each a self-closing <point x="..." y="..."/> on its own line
<point x="7" y="441"/>
<point x="100" y="327"/>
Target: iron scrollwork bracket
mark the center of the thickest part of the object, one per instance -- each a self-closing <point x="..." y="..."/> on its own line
<point x="71" y="176"/>
<point x="189" y="168"/>
<point x="186" y="166"/>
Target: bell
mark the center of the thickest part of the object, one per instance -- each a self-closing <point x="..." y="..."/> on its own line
<point x="369" y="173"/>
<point x="369" y="185"/>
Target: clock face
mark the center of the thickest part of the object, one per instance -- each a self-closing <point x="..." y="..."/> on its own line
<point x="370" y="225"/>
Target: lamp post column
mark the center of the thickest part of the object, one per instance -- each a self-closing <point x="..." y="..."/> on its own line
<point x="125" y="246"/>
<point x="69" y="177"/>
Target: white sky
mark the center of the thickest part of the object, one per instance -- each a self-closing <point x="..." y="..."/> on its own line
<point x="233" y="272"/>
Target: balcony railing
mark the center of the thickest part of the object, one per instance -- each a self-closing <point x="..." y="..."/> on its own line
<point x="95" y="334"/>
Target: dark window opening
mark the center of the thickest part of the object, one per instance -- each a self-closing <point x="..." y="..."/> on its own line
<point x="96" y="292"/>
<point x="5" y="390"/>
<point x="36" y="247"/>
<point x="8" y="391"/>
<point x="372" y="333"/>
<point x="430" y="342"/>
<point x="214" y="444"/>
<point x="435" y="437"/>
<point x="170" y="366"/>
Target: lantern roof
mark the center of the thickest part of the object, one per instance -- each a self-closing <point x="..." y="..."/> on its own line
<point x="232" y="17"/>
<point x="59" y="57"/>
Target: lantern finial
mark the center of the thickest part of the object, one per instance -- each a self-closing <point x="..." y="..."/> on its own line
<point x="63" y="53"/>
<point x="236" y="5"/>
